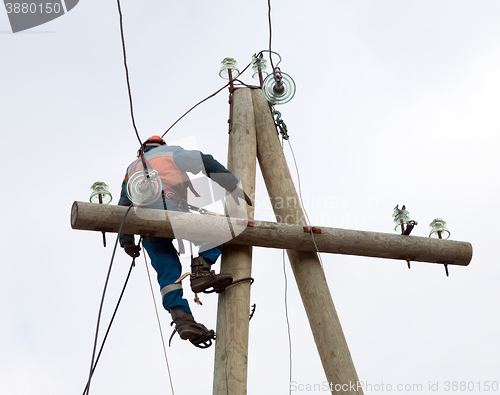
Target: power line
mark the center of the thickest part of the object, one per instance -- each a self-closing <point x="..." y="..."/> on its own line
<point x="126" y="73"/>
<point x="192" y="108"/>
<point x="109" y="327"/>
<point x="270" y="33"/>
<point x="92" y="364"/>
<point x="202" y="101"/>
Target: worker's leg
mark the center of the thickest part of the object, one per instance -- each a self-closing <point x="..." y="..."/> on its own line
<point x="165" y="260"/>
<point x="202" y="277"/>
<point x="212" y="254"/>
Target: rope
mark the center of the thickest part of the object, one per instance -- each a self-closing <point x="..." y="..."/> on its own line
<point x="286" y="312"/>
<point x="302" y="204"/>
<point x="159" y="325"/>
<point x="288" y="325"/>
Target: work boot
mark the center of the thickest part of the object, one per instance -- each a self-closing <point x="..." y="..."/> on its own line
<point x="205" y="280"/>
<point x="189" y="329"/>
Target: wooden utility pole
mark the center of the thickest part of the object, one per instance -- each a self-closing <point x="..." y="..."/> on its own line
<point x="254" y="136"/>
<point x="231" y="347"/>
<point x="311" y="281"/>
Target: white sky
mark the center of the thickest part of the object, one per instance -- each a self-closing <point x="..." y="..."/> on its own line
<point x="397" y="103"/>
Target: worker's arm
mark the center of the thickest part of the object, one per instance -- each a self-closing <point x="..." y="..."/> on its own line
<point x="219" y="173"/>
<point x="196" y="161"/>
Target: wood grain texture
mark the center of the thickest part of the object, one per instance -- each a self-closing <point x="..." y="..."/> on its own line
<point x="98" y="217"/>
<point x="325" y="325"/>
<point x="231" y="347"/>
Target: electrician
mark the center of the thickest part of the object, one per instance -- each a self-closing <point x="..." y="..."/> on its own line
<point x="172" y="163"/>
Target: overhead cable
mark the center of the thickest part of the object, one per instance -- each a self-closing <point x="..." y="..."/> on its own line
<point x="92" y="364"/>
<point x="202" y="101"/>
<point x="126" y="73"/>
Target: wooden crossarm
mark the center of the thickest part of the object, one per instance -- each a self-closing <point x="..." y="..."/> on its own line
<point x="99" y="217"/>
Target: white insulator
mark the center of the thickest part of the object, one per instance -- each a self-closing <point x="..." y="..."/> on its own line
<point x="278" y="92"/>
<point x="144" y="187"/>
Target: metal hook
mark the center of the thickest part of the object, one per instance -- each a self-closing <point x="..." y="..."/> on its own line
<point x="252" y="312"/>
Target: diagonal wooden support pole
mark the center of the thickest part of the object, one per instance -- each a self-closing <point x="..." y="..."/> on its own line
<point x="311" y="281"/>
<point x="231" y="347"/>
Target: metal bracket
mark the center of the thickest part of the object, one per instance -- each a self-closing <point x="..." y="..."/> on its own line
<point x="146" y="235"/>
<point x="249" y="224"/>
<point x="315" y="230"/>
<point x="252" y="312"/>
<point x="409" y="227"/>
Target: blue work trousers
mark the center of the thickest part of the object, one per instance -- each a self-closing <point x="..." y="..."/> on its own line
<point x="165" y="260"/>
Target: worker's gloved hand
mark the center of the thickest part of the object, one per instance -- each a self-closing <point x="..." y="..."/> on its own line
<point x="132" y="249"/>
<point x="239" y="193"/>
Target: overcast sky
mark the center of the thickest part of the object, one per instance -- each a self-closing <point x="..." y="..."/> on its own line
<point x="397" y="103"/>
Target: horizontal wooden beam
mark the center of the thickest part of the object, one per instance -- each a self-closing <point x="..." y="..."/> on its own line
<point x="219" y="229"/>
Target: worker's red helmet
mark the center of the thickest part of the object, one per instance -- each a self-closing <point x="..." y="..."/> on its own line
<point x="154" y="141"/>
